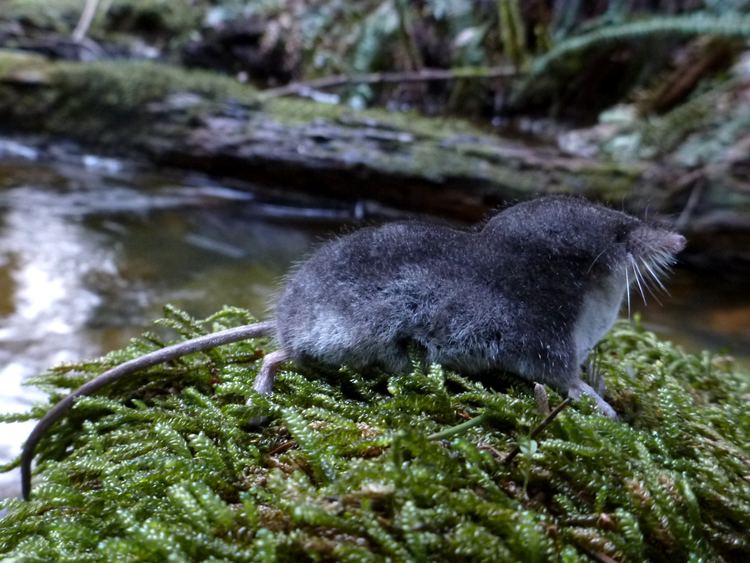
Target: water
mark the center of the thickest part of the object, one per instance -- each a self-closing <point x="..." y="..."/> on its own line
<point x="86" y="260"/>
<point x="91" y="249"/>
<point x="703" y="310"/>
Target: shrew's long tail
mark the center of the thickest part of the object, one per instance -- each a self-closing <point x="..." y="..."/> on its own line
<point x="156" y="357"/>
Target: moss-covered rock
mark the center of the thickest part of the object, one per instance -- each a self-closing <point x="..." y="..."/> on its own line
<point x="165" y="466"/>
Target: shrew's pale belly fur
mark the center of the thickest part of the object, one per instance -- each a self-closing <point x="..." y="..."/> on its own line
<point x="598" y="313"/>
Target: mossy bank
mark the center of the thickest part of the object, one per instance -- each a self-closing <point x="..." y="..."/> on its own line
<point x="169" y="20"/>
<point x="165" y="465"/>
<point x="207" y="121"/>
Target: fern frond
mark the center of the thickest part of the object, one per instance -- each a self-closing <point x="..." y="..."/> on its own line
<point x="730" y="25"/>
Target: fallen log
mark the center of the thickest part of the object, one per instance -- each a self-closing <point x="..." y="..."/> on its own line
<point x="211" y="123"/>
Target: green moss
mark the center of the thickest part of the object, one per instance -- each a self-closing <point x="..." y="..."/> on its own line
<point x="664" y="134"/>
<point x="165" y="465"/>
<point x="23" y="89"/>
<point x="605" y="181"/>
<point x="60" y="15"/>
<point x="125" y="104"/>
<point x="429" y="127"/>
<point x="104" y="101"/>
<point x="14" y="61"/>
<point x="568" y="53"/>
<point x="442" y="149"/>
<point x="167" y="17"/>
<point x="293" y="111"/>
<point x="125" y="84"/>
<point x="130" y="84"/>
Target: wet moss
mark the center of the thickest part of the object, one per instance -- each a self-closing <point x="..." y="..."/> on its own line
<point x="12" y="62"/>
<point x="130" y="85"/>
<point x="130" y="104"/>
<point x="60" y="16"/>
<point x="170" y="18"/>
<point x="24" y="94"/>
<point x="296" y="111"/>
<point x="165" y="465"/>
<point x="106" y="103"/>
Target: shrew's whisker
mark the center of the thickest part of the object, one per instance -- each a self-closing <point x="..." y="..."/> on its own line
<point x="637" y="275"/>
<point x="627" y="286"/>
<point x="654" y="276"/>
<point x="652" y="289"/>
<point x="595" y="259"/>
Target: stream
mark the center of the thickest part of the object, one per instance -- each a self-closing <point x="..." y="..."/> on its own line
<point x="92" y="248"/>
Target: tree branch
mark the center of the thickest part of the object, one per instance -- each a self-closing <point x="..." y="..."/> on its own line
<point x="424" y="75"/>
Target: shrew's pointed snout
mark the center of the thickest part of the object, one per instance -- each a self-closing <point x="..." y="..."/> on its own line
<point x="655" y="244"/>
<point x="674" y="243"/>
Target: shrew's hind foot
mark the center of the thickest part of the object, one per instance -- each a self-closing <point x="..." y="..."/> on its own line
<point x="271" y="364"/>
<point x="580" y="388"/>
<point x="264" y="380"/>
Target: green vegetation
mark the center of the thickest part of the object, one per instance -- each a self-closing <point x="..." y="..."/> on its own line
<point x="129" y="85"/>
<point x="60" y="15"/>
<point x="126" y="105"/>
<point x="165" y="466"/>
<point x="731" y="25"/>
<point x="164" y="17"/>
<point x="548" y="43"/>
<point x="106" y="101"/>
<point x="12" y="62"/>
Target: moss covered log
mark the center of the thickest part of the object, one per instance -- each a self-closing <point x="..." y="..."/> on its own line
<point x="209" y="122"/>
<point x="165" y="466"/>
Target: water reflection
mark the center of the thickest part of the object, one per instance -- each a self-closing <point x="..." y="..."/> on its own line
<point x="75" y="259"/>
<point x="702" y="311"/>
<point x="90" y="254"/>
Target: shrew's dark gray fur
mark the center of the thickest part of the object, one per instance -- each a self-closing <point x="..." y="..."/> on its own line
<point x="530" y="293"/>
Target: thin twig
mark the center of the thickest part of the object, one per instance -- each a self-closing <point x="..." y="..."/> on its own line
<point x="692" y="203"/>
<point x="84" y="23"/>
<point x="542" y="425"/>
<point x="423" y="75"/>
<point x="596" y="555"/>
<point x="289" y="444"/>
